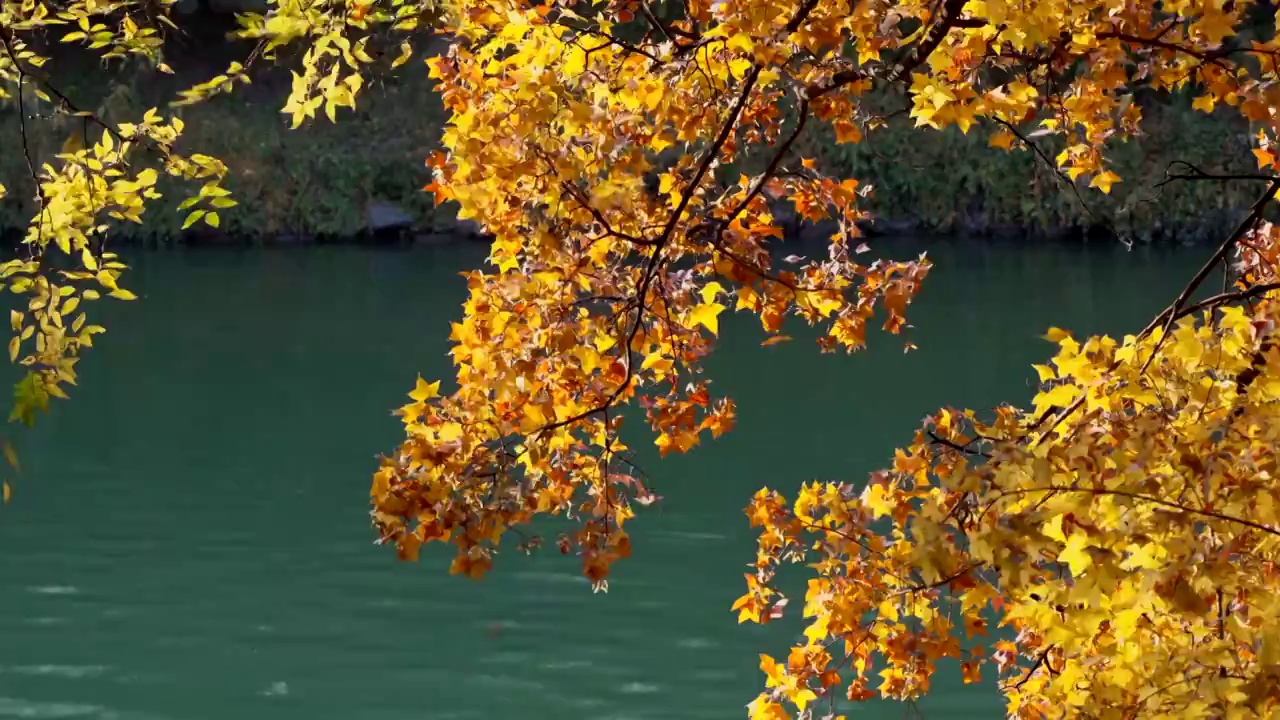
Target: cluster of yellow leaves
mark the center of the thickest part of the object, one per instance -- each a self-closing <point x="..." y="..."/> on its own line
<point x="340" y="41"/>
<point x="80" y="191"/>
<point x="612" y="268"/>
<point x="1124" y="530"/>
<point x="588" y="141"/>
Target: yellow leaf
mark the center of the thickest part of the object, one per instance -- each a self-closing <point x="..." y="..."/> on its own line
<point x="1058" y="396"/>
<point x="1204" y="103"/>
<point x="846" y="131"/>
<point x="406" y="52"/>
<point x="122" y="294"/>
<point x="879" y="499"/>
<point x="707" y="315"/>
<point x="7" y="492"/>
<point x="1002" y="140"/>
<point x="1145" y="556"/>
<point x="764" y="709"/>
<point x="802" y="697"/>
<point x="1053" y="529"/>
<point x="1104" y="180"/>
<point x="1075" y="554"/>
<point x="10" y="456"/>
<point x="211" y="219"/>
<point x="711" y="291"/>
<point x="424" y="390"/>
<point x="1045" y="372"/>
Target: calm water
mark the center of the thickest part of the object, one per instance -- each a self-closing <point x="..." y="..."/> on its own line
<point x="190" y="538"/>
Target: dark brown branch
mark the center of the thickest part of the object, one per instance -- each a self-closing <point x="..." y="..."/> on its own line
<point x="1040" y="661"/>
<point x="1227" y="298"/>
<point x="1062" y="176"/>
<point x="771" y="170"/>
<point x="918" y="54"/>
<point x="939" y="440"/>
<point x="6" y="39"/>
<point x="611" y="40"/>
<point x="1257" y="364"/>
<point x="943" y="581"/>
<point x="1198" y="174"/>
<point x="1201" y="512"/>
<point x="655" y="22"/>
<point x="1175" y="311"/>
<point x="1170" y="313"/>
<point x="660" y="244"/>
<point x="576" y="194"/>
<point x="1158" y="43"/>
<point x="668" y="230"/>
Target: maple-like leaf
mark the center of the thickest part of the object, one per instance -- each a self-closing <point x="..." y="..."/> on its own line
<point x="707" y="315"/>
<point x="424" y="391"/>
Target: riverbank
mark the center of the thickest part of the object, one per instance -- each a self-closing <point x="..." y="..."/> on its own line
<point x="360" y="180"/>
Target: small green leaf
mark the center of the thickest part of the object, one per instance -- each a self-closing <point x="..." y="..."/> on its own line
<point x="11" y="456"/>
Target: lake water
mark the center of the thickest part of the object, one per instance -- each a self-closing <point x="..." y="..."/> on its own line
<point x="190" y="537"/>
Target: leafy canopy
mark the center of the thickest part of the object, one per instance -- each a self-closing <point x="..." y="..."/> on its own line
<point x="1123" y="528"/>
<point x="632" y="161"/>
<point x="107" y="174"/>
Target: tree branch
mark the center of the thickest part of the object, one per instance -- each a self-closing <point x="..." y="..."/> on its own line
<point x="920" y="53"/>
<point x="1170" y="313"/>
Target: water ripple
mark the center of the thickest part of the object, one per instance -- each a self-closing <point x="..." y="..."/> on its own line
<point x="63" y="671"/>
<point x="19" y="708"/>
<point x="53" y="589"/>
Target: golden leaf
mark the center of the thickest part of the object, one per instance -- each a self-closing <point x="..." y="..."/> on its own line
<point x="424" y="391"/>
<point x="707" y="315"/>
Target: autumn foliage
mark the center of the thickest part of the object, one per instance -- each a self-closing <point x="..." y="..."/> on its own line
<point x="632" y="161"/>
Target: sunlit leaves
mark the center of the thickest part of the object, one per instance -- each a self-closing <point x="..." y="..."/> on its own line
<point x="334" y="37"/>
<point x="1123" y="532"/>
<point x="603" y="292"/>
<point x="635" y="165"/>
<point x="424" y="391"/>
<point x="593" y="147"/>
<point x="106" y="174"/>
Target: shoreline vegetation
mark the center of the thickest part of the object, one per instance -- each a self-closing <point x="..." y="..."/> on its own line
<point x="361" y="181"/>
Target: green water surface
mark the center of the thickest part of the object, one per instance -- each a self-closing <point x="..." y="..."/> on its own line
<point x="190" y="538"/>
